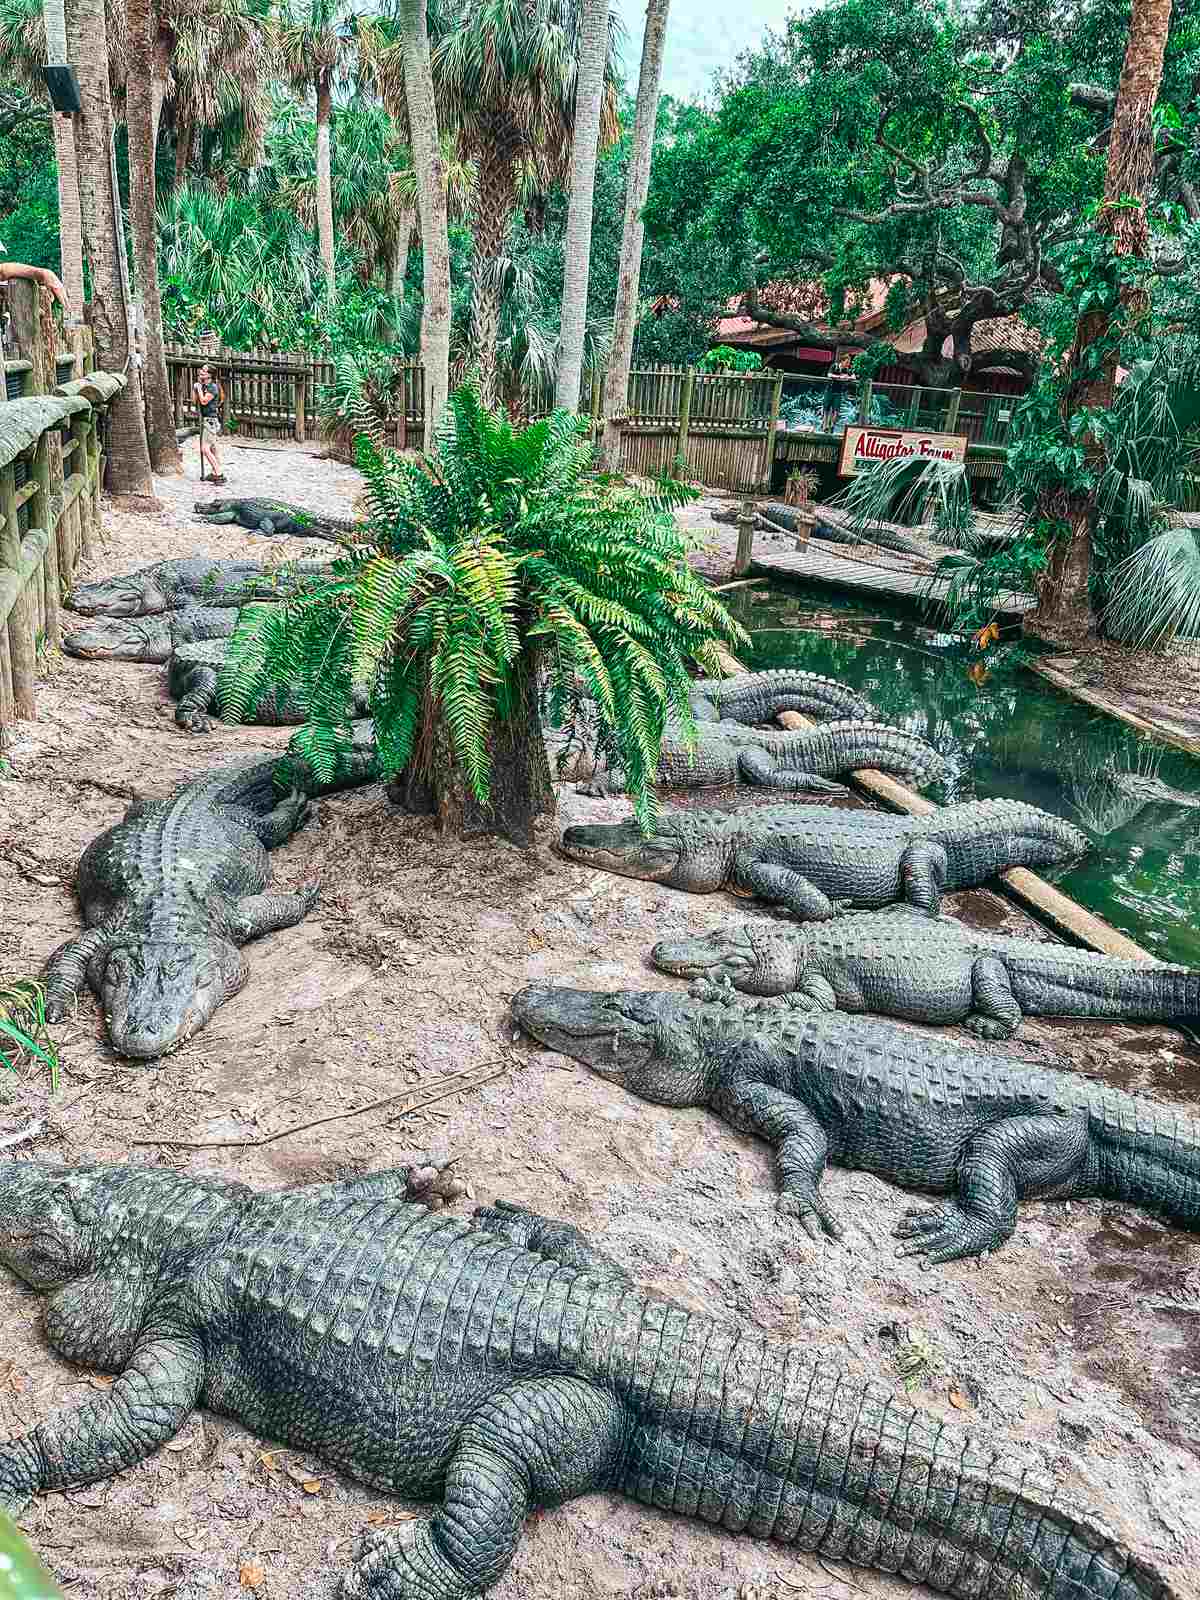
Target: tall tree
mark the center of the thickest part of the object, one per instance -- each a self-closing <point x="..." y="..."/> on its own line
<point x="505" y="72"/>
<point x="431" y="206"/>
<point x="1091" y="373"/>
<point x="316" y="41"/>
<point x="104" y="242"/>
<point x="31" y="33"/>
<point x="139" y="116"/>
<point x="589" y="99"/>
<point x="616" y="386"/>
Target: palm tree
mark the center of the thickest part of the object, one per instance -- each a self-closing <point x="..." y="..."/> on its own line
<point x="30" y="35"/>
<point x="577" y="249"/>
<point x="431" y="204"/>
<point x="209" y="57"/>
<point x="316" y="42"/>
<point x="506" y="73"/>
<point x="139" y="116"/>
<point x="104" y="242"/>
<point x="637" y="186"/>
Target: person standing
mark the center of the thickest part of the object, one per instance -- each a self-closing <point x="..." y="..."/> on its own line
<point x="210" y="398"/>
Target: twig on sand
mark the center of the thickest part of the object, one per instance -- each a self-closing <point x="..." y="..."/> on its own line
<point x="454" y="1085"/>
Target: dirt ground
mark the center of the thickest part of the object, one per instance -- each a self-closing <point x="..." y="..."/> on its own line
<point x="1078" y="1346"/>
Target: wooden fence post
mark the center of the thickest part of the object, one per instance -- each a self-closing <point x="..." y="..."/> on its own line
<point x="864" y="402"/>
<point x="597" y="407"/>
<point x="41" y="515"/>
<point x="301" y="396"/>
<point x="22" y="647"/>
<point x="772" y="433"/>
<point x="685" y="418"/>
<point x="746" y="518"/>
<point x="952" y="406"/>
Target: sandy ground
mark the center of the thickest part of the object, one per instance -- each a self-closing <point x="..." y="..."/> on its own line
<point x="1077" y="1347"/>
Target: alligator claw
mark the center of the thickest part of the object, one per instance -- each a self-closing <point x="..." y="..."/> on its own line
<point x="948" y="1234"/>
<point x="813" y="1215"/>
<point x="433" y="1184"/>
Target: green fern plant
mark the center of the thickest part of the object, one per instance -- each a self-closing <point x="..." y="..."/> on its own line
<point x="499" y="560"/>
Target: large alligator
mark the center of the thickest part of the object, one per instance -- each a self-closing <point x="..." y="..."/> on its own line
<point x="169" y="895"/>
<point x="817" y="861"/>
<point x="929" y="1115"/>
<point x="153" y="638"/>
<point x="192" y="580"/>
<point x="496" y="1366"/>
<point x="728" y="753"/>
<point x="193" y="677"/>
<point x="276" y="518"/>
<point x="839" y="526"/>
<point x="903" y="964"/>
<point x="758" y="697"/>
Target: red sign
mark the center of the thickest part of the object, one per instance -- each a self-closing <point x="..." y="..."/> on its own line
<point x="863" y="447"/>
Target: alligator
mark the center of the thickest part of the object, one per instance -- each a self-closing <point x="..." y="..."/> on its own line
<point x="839" y="526"/>
<point x="926" y="1114"/>
<point x="903" y="964"/>
<point x="494" y="1366"/>
<point x="728" y="753"/>
<point x="192" y="678"/>
<point x="276" y="518"/>
<point x="178" y="584"/>
<point x="758" y="697"/>
<point x="818" y="861"/>
<point x="168" y="895"/>
<point x="154" y="638"/>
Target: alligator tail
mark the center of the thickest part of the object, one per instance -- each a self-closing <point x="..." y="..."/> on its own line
<point x="760" y="1438"/>
<point x="1146" y="1156"/>
<point x="1079" y="983"/>
<point x="837" y="748"/>
<point x="754" y="697"/>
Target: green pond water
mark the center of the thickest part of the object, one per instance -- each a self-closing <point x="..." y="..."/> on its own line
<point x="1007" y="734"/>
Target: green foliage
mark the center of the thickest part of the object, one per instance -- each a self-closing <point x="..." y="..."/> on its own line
<point x="23" y="1032"/>
<point x="29" y="195"/>
<point x="1154" y="596"/>
<point x="724" y="358"/>
<point x="500" y="555"/>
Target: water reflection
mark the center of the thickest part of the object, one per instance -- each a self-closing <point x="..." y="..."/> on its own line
<point x="1007" y="734"/>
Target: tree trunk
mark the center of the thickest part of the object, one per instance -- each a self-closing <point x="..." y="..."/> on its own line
<point x="520" y="788"/>
<point x="70" y="237"/>
<point x="128" y="455"/>
<point x="325" y="181"/>
<point x="398" y="263"/>
<point x="495" y="199"/>
<point x="431" y="203"/>
<point x="164" y="54"/>
<point x="1091" y="373"/>
<point x="139" y="118"/>
<point x="577" y="247"/>
<point x="637" y="185"/>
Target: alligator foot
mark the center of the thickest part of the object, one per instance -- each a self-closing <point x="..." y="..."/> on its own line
<point x="988" y="1027"/>
<point x="549" y="1236"/>
<point x="434" y="1184"/>
<point x="814" y="1215"/>
<point x="194" y="721"/>
<point x="404" y="1566"/>
<point x="947" y="1233"/>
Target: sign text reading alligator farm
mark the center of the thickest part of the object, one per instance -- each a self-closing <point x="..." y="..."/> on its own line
<point x="863" y="447"/>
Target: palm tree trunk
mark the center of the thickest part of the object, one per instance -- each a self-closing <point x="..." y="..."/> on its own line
<point x="577" y="247"/>
<point x="431" y="203"/>
<point x="139" y="117"/>
<point x="637" y="186"/>
<point x="164" y="52"/>
<point x="495" y="198"/>
<point x="183" y="148"/>
<point x="398" y="264"/>
<point x="70" y="237"/>
<point x="325" y="181"/>
<point x="128" y="455"/>
<point x="1091" y="374"/>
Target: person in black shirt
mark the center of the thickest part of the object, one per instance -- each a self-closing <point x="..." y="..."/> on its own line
<point x="209" y="397"/>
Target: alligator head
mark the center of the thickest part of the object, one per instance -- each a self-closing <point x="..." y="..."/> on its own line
<point x="132" y="594"/>
<point x="647" y="1042"/>
<point x="156" y="994"/>
<point x="138" y="639"/>
<point x="755" y="959"/>
<point x="684" y="850"/>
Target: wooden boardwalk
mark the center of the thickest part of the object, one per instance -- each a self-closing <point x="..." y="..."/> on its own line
<point x="816" y="563"/>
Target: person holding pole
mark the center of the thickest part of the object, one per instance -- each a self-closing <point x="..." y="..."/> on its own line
<point x="209" y="398"/>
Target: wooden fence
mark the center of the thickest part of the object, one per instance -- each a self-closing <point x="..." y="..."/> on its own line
<point x="51" y="469"/>
<point x="726" y="430"/>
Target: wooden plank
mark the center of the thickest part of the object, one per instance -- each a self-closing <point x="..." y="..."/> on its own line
<point x="1114" y="708"/>
<point x="864" y="578"/>
<point x="1029" y="891"/>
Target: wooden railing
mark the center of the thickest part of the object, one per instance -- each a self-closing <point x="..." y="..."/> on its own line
<point x="51" y="469"/>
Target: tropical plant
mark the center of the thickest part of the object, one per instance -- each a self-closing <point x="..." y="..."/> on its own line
<point x="625" y="311"/>
<point x="316" y="41"/>
<point x="505" y="74"/>
<point x="1154" y="594"/>
<point x="23" y="1031"/>
<point x="724" y="358"/>
<point x="500" y="557"/>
